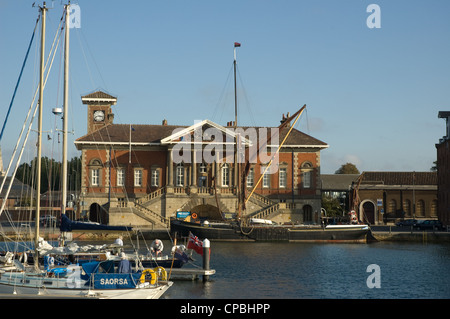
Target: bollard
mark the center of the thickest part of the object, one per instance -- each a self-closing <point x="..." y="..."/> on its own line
<point x="206" y="253"/>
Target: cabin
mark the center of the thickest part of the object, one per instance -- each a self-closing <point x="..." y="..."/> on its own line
<point x="144" y="174"/>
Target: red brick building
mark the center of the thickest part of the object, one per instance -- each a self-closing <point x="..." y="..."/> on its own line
<point x="386" y="197"/>
<point x="443" y="171"/>
<point x="144" y="174"/>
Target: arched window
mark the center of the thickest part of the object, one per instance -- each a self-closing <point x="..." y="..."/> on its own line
<point x="306" y="169"/>
<point x="392" y="208"/>
<point x="407" y="207"/>
<point x="433" y="211"/>
<point x="420" y="208"/>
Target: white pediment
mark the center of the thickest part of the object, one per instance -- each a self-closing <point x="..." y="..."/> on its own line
<point x="204" y="131"/>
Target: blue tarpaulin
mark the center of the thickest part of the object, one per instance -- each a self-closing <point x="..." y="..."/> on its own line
<point x="68" y="225"/>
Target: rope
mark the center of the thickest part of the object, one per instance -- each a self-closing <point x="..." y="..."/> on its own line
<point x="18" y="80"/>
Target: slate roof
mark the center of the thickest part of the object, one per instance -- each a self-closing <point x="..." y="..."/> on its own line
<point x="18" y="189"/>
<point x="142" y="133"/>
<point x="400" y="178"/>
<point x="338" y="182"/>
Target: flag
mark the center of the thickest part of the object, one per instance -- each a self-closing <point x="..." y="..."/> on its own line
<point x="195" y="243"/>
<point x="237" y="45"/>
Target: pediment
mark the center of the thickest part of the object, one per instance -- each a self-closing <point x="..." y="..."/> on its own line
<point x="205" y="131"/>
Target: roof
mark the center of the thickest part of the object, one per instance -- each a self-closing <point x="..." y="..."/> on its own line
<point x="338" y="182"/>
<point x="153" y="134"/>
<point x="18" y="189"/>
<point x="400" y="178"/>
<point x="98" y="97"/>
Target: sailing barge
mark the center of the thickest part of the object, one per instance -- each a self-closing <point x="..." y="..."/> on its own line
<point x="246" y="228"/>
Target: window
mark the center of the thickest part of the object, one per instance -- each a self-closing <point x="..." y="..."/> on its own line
<point x="307" y="179"/>
<point x="155" y="177"/>
<point x="95" y="167"/>
<point x="306" y="169"/>
<point x="407" y="207"/>
<point x="203" y="168"/>
<point x="120" y="177"/>
<point x="392" y="208"/>
<point x="266" y="177"/>
<point x="95" y="177"/>
<point x="282" y="177"/>
<point x="250" y="177"/>
<point x="225" y="175"/>
<point x="137" y="177"/>
<point x="434" y="207"/>
<point x="180" y="175"/>
<point x="420" y="208"/>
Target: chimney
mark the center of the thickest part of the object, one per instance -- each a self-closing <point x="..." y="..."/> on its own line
<point x="164" y="122"/>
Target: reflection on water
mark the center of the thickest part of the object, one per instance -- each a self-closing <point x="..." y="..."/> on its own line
<point x="295" y="270"/>
<point x="332" y="271"/>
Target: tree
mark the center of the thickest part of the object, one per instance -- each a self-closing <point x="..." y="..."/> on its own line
<point x="51" y="174"/>
<point x="347" y="168"/>
<point x="332" y="206"/>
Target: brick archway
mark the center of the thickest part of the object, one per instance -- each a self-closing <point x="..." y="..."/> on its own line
<point x="368" y="212"/>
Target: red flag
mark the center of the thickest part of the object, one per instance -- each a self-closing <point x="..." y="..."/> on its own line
<point x="236" y="44"/>
<point x="195" y="243"/>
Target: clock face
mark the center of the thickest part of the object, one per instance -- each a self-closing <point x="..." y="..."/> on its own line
<point x="99" y="116"/>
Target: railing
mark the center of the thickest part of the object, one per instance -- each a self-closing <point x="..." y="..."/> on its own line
<point x="266" y="211"/>
<point x="154" y="216"/>
<point x="158" y="193"/>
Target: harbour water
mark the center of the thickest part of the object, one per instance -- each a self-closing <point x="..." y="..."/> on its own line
<point x="262" y="270"/>
<point x="331" y="271"/>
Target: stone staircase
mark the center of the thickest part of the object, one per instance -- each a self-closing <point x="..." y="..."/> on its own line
<point x="142" y="209"/>
<point x="269" y="208"/>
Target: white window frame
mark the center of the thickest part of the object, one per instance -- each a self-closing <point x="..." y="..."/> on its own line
<point x="266" y="178"/>
<point x="120" y="177"/>
<point x="95" y="177"/>
<point x="179" y="178"/>
<point x="282" y="177"/>
<point x="251" y="177"/>
<point x="137" y="177"/>
<point x="155" y="177"/>
<point x="225" y="175"/>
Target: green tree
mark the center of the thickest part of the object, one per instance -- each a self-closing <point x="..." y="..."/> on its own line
<point x="332" y="206"/>
<point x="347" y="168"/>
<point x="51" y="174"/>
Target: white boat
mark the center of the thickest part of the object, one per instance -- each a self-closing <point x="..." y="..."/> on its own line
<point x="95" y="279"/>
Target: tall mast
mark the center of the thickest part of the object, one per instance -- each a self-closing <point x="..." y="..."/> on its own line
<point x="237" y="176"/>
<point x="39" y="143"/>
<point x="236" y="45"/>
<point x="65" y="112"/>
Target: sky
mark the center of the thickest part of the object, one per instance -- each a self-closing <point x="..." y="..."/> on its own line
<point x="372" y="94"/>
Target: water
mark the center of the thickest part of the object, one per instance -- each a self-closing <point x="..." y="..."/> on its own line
<point x="332" y="271"/>
<point x="317" y="271"/>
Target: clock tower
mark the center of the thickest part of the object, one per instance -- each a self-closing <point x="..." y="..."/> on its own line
<point x="99" y="109"/>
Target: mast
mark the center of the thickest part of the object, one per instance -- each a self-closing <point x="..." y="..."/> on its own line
<point x="297" y="116"/>
<point x="237" y="176"/>
<point x="39" y="143"/>
<point x="65" y="111"/>
<point x="236" y="45"/>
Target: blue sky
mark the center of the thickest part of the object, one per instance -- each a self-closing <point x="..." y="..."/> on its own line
<point x="372" y="94"/>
